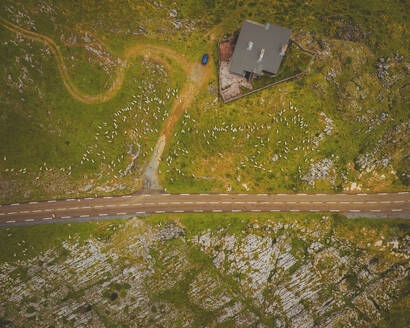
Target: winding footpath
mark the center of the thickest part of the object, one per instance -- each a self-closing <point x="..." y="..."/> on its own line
<point x="153" y="51"/>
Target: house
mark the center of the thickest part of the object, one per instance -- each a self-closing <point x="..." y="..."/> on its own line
<point x="259" y="49"/>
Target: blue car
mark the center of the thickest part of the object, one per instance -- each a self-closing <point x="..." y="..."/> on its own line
<point x="205" y="59"/>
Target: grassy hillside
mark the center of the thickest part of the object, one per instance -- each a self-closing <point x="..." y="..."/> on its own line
<point x="198" y="270"/>
<point x="343" y="126"/>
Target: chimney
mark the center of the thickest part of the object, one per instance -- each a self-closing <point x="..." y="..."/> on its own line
<point x="283" y="49"/>
<point x="250" y="45"/>
<point x="261" y="55"/>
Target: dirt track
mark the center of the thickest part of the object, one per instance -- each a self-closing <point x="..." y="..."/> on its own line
<point x="156" y="52"/>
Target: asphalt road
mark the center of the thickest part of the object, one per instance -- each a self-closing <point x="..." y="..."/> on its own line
<point x="374" y="204"/>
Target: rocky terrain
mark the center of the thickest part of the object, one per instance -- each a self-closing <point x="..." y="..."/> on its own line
<point x="210" y="271"/>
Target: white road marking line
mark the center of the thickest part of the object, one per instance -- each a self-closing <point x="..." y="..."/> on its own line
<point x="213" y="202"/>
<point x="371" y="202"/>
<point x="137" y="204"/>
<point x="295" y="210"/>
<point x="301" y="194"/>
<point x="11" y="213"/>
<point x="146" y="195"/>
<point x="86" y="207"/>
<point x="199" y="211"/>
<point x="374" y="210"/>
<point x="84" y="216"/>
<point x="103" y="214"/>
<point x="242" y="202"/>
<point x="46" y="219"/>
<point x="69" y="200"/>
<point x="263" y="195"/>
<point x="358" y="202"/>
<point x="252" y="202"/>
<point x="72" y="208"/>
<point x="36" y="211"/>
<point x="385" y="202"/>
<point x="290" y="202"/>
<point x="30" y="220"/>
<point x="178" y="211"/>
<point x="33" y="203"/>
<point x="344" y="202"/>
<point x="2" y="213"/>
<point x="361" y="194"/>
<point x="162" y="203"/>
<point x="341" y="194"/>
<point x="305" y="202"/>
<point x="397" y="210"/>
<point x="264" y="203"/>
<point x="243" y="194"/>
<point x="61" y="209"/>
<point x="51" y="201"/>
<point x="107" y="197"/>
<point x="223" y="194"/>
<point x="89" y="198"/>
<point x="281" y="194"/>
<point x="22" y="212"/>
<point x="174" y="203"/>
<point x="204" y="194"/>
<point x="121" y="213"/>
<point x="110" y="205"/>
<point x="320" y="194"/>
<point x="255" y="210"/>
<point x="275" y="210"/>
<point x="122" y="205"/>
<point x="228" y="202"/>
<point x="216" y="210"/>
<point x="11" y="221"/>
<point x="165" y="194"/>
<point x="98" y="206"/>
<point x="200" y="202"/>
<point x="15" y="204"/>
<point x="156" y="212"/>
<point x="403" y="192"/>
<point x="382" y="193"/>
<point x="143" y="212"/>
<point x="277" y="202"/>
<point x="66" y="217"/>
<point x="184" y="194"/>
<point x="334" y="211"/>
<point x="236" y="210"/>
<point x="316" y="202"/>
<point x="331" y="202"/>
<point x="314" y="211"/>
<point x="398" y="201"/>
<point x="354" y="211"/>
<point x="188" y="202"/>
<point x="126" y="196"/>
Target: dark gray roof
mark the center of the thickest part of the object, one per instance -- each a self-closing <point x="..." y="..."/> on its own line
<point x="269" y="37"/>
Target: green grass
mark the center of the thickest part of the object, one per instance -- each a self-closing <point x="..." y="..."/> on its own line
<point x="58" y="130"/>
<point x="20" y="243"/>
<point x="32" y="137"/>
<point x="214" y="145"/>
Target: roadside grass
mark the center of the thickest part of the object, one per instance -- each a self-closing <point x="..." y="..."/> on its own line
<point x="25" y="242"/>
